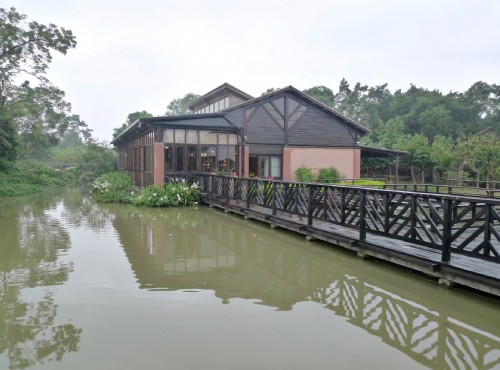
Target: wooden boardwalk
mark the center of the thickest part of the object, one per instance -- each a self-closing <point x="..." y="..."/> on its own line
<point x="475" y="273"/>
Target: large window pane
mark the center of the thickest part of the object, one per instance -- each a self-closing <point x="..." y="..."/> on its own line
<point x="192" y="158"/>
<point x="169" y="158"/>
<point x="222" y="158"/>
<point x="223" y="139"/>
<point x="232" y="139"/>
<point x="192" y="137"/>
<point x="207" y="137"/>
<point x="179" y="161"/>
<point x="276" y="167"/>
<point x="180" y="136"/>
<point x="208" y="156"/>
<point x="168" y="136"/>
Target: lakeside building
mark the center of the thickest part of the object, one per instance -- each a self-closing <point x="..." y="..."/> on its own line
<point x="229" y="131"/>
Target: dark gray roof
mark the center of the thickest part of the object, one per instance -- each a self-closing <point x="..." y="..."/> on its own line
<point x="224" y="86"/>
<point x="209" y="121"/>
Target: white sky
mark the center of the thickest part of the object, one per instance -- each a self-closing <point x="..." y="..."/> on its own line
<point x="141" y="54"/>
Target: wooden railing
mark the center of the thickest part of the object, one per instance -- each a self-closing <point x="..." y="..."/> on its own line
<point x="451" y="224"/>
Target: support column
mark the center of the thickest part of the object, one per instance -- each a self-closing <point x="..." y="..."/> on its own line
<point x="287" y="164"/>
<point x="159" y="163"/>
<point x="246" y="159"/>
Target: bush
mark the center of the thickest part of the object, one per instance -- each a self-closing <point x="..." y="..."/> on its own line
<point x="112" y="187"/>
<point x="304" y="174"/>
<point x="168" y="195"/>
<point x="329" y="175"/>
<point x="31" y="179"/>
<point x="116" y="187"/>
<point x="365" y="183"/>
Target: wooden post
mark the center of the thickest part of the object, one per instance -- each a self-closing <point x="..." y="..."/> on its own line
<point x="447" y="222"/>
<point x="362" y="221"/>
<point x="310" y="206"/>
<point x="487" y="230"/>
<point x="274" y="198"/>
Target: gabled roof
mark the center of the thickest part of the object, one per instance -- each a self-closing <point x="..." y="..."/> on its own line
<point x="217" y="90"/>
<point x="317" y="104"/>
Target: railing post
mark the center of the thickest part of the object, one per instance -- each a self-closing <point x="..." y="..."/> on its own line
<point x="310" y="206"/>
<point x="248" y="192"/>
<point x="447" y="222"/>
<point x="487" y="229"/>
<point x="274" y="198"/>
<point x="362" y="221"/>
<point x="413" y="217"/>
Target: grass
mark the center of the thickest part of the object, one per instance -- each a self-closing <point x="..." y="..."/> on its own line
<point x="29" y="180"/>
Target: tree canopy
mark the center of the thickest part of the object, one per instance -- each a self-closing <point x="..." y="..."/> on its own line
<point x="179" y="106"/>
<point x="33" y="113"/>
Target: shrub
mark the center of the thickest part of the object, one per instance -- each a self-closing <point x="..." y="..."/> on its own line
<point x="365" y="183"/>
<point x="112" y="187"/>
<point x="167" y="195"/>
<point x="304" y="174"/>
<point x="329" y="175"/>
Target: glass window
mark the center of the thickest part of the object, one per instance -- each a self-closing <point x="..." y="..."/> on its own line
<point x="192" y="158"/>
<point x="208" y="156"/>
<point x="168" y="136"/>
<point x="207" y="137"/>
<point x="169" y="158"/>
<point x="232" y="139"/>
<point x="276" y="167"/>
<point x="179" y="163"/>
<point x="222" y="139"/>
<point x="192" y="137"/>
<point x="226" y="101"/>
<point x="180" y="136"/>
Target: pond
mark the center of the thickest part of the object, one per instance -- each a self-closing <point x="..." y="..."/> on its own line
<point x="92" y="286"/>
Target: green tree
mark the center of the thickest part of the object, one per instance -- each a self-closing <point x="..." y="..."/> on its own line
<point x="25" y="53"/>
<point x="419" y="158"/>
<point x="179" y="106"/>
<point x="443" y="156"/>
<point x="322" y="94"/>
<point x="481" y="154"/>
<point x="131" y="118"/>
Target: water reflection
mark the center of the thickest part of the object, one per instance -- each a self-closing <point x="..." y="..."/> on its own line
<point x="190" y="250"/>
<point x="31" y="243"/>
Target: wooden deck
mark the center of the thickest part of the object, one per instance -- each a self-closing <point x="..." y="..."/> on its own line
<point x="479" y="274"/>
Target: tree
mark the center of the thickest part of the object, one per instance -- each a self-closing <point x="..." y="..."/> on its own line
<point x="179" y="106"/>
<point x="419" y="158"/>
<point x="25" y="53"/>
<point x="481" y="154"/>
<point x="321" y="93"/>
<point x="131" y="118"/>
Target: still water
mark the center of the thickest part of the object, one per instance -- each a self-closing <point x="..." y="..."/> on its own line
<point x="88" y="286"/>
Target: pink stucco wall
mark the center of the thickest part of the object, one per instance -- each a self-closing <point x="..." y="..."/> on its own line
<point x="346" y="160"/>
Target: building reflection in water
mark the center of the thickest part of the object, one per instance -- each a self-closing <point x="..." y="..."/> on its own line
<point x="189" y="249"/>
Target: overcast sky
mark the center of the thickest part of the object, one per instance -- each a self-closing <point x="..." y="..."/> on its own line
<point x="140" y="54"/>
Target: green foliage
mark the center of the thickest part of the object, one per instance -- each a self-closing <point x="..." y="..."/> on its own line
<point x="329" y="175"/>
<point x="30" y="179"/>
<point x="321" y="93"/>
<point x="33" y="117"/>
<point x="365" y="183"/>
<point x="116" y="187"/>
<point x="168" y="195"/>
<point x="131" y="118"/>
<point x="179" y="106"/>
<point x="304" y="174"/>
<point x="112" y="187"/>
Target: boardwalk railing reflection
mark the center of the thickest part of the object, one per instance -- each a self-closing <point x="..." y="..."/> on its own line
<point x="205" y="249"/>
